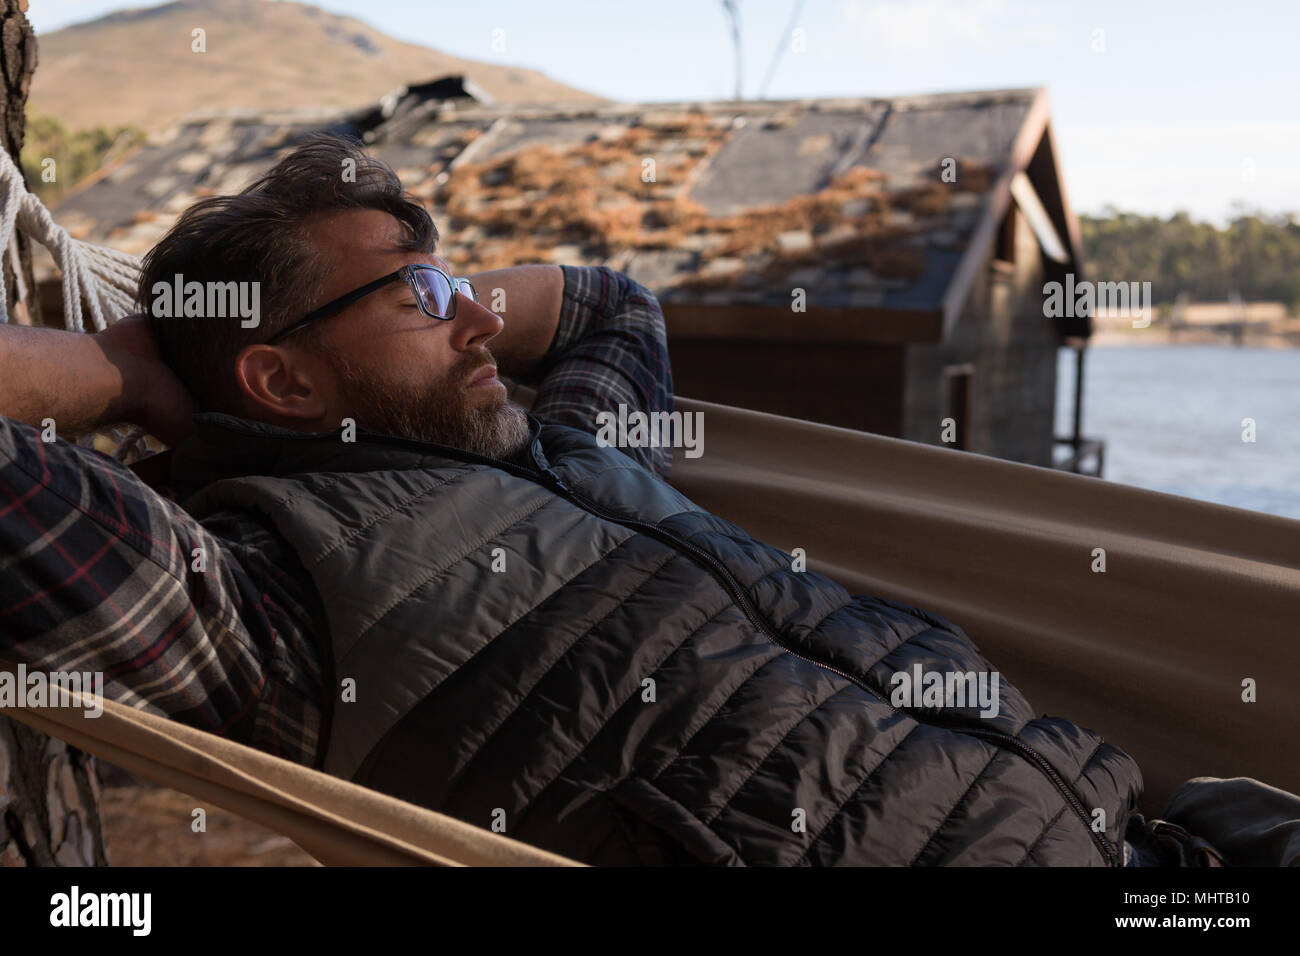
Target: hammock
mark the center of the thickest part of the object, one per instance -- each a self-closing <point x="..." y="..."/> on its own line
<point x="1151" y="653"/>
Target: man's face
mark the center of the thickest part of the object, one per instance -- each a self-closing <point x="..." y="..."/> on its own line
<point x="394" y="369"/>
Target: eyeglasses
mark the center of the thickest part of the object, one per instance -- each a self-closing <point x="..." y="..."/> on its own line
<point x="434" y="291"/>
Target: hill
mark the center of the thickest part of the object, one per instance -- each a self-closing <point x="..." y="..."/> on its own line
<point x="136" y="67"/>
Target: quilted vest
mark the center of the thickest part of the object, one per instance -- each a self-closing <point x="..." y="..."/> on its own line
<point x="566" y="650"/>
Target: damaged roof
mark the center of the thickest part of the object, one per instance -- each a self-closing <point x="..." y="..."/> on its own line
<point x="724" y="203"/>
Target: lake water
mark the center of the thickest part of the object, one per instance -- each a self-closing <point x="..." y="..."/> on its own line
<point x="1171" y="417"/>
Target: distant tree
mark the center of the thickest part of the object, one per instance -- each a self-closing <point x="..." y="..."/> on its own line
<point x="1255" y="255"/>
<point x="75" y="153"/>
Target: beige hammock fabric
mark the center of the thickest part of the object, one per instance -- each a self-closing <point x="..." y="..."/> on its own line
<point x="1151" y="653"/>
<point x="339" y="823"/>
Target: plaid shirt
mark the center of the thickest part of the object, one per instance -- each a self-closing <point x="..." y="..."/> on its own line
<point x="97" y="570"/>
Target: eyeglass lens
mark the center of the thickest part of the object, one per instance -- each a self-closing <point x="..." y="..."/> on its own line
<point x="436" y="292"/>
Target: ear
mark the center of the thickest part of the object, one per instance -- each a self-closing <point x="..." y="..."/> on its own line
<point x="284" y="383"/>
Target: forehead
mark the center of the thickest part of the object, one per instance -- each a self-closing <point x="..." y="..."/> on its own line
<point x="359" y="241"/>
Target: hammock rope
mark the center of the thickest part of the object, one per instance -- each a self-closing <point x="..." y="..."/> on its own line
<point x="95" y="277"/>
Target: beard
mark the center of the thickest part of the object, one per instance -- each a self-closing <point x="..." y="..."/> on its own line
<point x="444" y="413"/>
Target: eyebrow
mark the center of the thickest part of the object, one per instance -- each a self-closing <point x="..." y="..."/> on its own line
<point x="402" y="287"/>
<point x="395" y="288"/>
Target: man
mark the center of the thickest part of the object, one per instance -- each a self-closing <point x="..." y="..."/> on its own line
<point x="386" y="569"/>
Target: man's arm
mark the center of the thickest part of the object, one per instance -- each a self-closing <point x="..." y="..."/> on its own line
<point x="205" y="624"/>
<point x="589" y="337"/>
<point x="610" y="349"/>
<point x="84" y="382"/>
<point x="99" y="573"/>
<point x="528" y="299"/>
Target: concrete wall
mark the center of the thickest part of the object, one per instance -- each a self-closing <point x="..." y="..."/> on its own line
<point x="1003" y="333"/>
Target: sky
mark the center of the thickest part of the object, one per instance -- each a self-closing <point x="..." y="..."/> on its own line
<point x="1157" y="106"/>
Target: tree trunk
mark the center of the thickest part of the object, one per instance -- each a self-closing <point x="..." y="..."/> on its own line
<point x="49" y="795"/>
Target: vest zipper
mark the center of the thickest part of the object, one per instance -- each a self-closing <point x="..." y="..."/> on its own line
<point x="741" y="599"/>
<point x="549" y="479"/>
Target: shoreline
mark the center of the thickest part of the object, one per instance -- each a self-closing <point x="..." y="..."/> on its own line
<point x="1141" y="338"/>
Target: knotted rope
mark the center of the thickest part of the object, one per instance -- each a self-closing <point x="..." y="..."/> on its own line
<point x="102" y="279"/>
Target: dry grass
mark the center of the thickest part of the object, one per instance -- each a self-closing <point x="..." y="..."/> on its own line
<point x="591" y="195"/>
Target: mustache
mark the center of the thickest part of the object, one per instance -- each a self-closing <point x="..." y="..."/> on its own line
<point x="472" y="366"/>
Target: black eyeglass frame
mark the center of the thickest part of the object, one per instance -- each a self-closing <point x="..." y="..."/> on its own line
<point x="405" y="274"/>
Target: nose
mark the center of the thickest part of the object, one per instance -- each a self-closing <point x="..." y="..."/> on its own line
<point x="474" y="324"/>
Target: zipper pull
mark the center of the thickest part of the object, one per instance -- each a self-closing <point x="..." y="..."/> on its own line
<point x="556" y="482"/>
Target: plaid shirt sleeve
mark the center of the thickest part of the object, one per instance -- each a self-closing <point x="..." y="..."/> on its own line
<point x="610" y="349"/>
<point x="97" y="573"/>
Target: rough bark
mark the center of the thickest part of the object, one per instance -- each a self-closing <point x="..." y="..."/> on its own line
<point x="49" y="795"/>
<point x="17" y="64"/>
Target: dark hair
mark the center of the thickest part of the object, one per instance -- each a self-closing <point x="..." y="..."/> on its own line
<point x="261" y="235"/>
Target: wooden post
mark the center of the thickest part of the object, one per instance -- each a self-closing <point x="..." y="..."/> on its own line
<point x="49" y="795"/>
